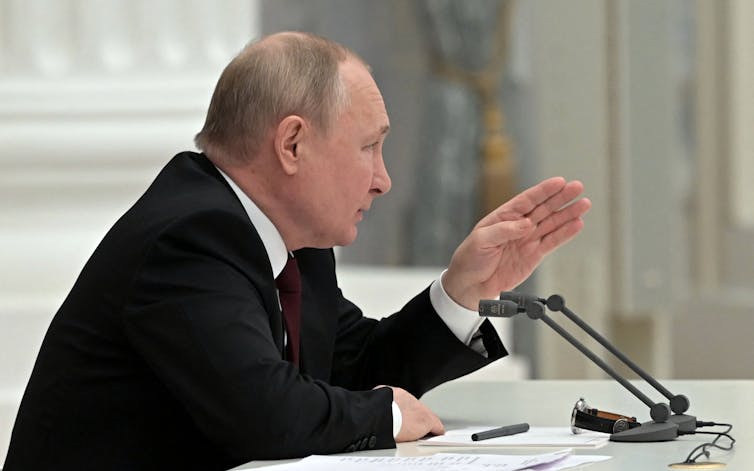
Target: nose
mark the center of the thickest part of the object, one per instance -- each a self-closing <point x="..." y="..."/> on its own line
<point x="381" y="182"/>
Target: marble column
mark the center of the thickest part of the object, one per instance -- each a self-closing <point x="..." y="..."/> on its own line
<point x="463" y="41"/>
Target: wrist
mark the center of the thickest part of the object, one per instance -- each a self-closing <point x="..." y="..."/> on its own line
<point x="449" y="287"/>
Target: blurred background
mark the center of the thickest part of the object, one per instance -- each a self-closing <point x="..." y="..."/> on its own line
<point x="646" y="102"/>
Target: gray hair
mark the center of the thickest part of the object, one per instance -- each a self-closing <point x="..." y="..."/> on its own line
<point x="281" y="75"/>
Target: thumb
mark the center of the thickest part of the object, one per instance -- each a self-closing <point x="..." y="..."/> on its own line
<point x="437" y="427"/>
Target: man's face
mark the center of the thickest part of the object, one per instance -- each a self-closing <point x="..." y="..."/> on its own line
<point x="343" y="171"/>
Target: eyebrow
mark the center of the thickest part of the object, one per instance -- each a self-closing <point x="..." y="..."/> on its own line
<point x="382" y="132"/>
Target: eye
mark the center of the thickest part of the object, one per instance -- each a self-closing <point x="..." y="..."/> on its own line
<point x="371" y="146"/>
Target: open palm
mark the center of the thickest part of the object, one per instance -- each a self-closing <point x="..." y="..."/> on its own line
<point x="506" y="246"/>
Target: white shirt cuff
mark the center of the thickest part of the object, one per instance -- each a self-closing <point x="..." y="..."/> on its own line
<point x="464" y="323"/>
<point x="397" y="420"/>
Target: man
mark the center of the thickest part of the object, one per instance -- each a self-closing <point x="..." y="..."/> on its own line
<point x="171" y="350"/>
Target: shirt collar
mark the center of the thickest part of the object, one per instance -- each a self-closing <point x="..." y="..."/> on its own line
<point x="271" y="238"/>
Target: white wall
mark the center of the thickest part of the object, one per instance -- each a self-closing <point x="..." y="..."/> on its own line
<point x="94" y="98"/>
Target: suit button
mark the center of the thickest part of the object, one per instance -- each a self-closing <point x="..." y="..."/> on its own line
<point x="351" y="448"/>
<point x="362" y="443"/>
<point x="372" y="441"/>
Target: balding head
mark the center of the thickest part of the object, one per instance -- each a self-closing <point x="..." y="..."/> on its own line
<point x="282" y="74"/>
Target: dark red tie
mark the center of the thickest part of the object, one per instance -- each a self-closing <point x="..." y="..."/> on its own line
<point x="289" y="289"/>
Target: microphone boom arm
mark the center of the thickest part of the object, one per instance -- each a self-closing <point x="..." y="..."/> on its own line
<point x="678" y="403"/>
<point x="663" y="426"/>
<point x="660" y="412"/>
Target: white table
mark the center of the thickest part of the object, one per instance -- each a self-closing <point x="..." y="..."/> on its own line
<point x="549" y="403"/>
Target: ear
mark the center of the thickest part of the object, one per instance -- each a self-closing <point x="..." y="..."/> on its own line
<point x="288" y="135"/>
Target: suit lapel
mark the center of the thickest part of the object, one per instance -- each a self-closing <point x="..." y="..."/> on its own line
<point x="317" y="320"/>
<point x="268" y="291"/>
<point x="260" y="271"/>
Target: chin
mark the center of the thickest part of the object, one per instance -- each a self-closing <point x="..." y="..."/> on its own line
<point x="336" y="240"/>
<point x="349" y="238"/>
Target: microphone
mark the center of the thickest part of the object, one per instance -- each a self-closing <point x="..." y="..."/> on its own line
<point x="663" y="426"/>
<point x="495" y="308"/>
<point x="520" y="299"/>
<point x="531" y="305"/>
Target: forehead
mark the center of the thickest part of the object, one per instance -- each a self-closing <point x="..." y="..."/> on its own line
<point x="364" y="97"/>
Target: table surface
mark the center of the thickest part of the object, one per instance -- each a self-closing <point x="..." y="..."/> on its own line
<point x="549" y="403"/>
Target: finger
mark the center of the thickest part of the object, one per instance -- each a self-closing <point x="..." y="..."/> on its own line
<point x="526" y="201"/>
<point x="567" y="194"/>
<point x="564" y="234"/>
<point x="553" y="222"/>
<point x="537" y="194"/>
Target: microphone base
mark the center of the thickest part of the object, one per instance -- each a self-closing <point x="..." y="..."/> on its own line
<point x="648" y="432"/>
<point x="685" y="423"/>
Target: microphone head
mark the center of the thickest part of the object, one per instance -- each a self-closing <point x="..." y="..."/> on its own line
<point x="496" y="308"/>
<point x="520" y="299"/>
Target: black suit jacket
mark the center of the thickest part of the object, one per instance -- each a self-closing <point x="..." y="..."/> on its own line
<point x="168" y="352"/>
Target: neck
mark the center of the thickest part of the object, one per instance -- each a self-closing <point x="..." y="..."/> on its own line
<point x="262" y="187"/>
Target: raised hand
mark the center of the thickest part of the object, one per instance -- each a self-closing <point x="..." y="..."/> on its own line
<point x="506" y="246"/>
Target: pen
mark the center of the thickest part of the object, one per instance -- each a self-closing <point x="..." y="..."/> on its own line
<point x="500" y="432"/>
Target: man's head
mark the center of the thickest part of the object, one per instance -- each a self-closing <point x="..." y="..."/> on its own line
<point x="313" y="164"/>
<point x="283" y="74"/>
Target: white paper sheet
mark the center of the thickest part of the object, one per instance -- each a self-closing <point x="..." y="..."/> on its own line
<point x="570" y="461"/>
<point x="535" y="437"/>
<point x="442" y="462"/>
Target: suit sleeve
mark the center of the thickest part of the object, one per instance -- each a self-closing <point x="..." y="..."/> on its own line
<point x="201" y="324"/>
<point x="413" y="348"/>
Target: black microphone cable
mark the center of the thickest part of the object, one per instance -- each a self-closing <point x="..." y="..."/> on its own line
<point x="703" y="449"/>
